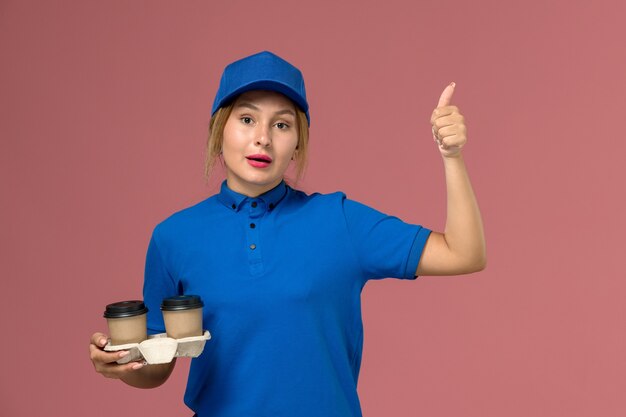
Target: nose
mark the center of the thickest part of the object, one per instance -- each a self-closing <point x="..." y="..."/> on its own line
<point x="263" y="136"/>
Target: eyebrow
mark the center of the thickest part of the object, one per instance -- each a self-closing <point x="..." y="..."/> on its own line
<point x="253" y="107"/>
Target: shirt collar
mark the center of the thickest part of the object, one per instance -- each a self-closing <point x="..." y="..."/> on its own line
<point x="233" y="200"/>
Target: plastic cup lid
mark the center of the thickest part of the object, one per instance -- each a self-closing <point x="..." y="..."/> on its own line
<point x="125" y="309"/>
<point x="181" y="302"/>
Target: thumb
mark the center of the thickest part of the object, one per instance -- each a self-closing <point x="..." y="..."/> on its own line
<point x="99" y="339"/>
<point x="446" y="96"/>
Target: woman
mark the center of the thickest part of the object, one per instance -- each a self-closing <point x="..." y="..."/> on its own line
<point x="281" y="272"/>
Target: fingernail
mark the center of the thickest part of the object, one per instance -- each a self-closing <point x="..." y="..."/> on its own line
<point x="123" y="353"/>
<point x="103" y="341"/>
<point x="453" y="84"/>
<point x="137" y="366"/>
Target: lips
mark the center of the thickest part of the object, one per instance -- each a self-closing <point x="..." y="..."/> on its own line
<point x="259" y="160"/>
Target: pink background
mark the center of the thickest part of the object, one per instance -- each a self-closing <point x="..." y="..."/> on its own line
<point x="104" y="109"/>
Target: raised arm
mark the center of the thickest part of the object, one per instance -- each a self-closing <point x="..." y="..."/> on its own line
<point x="460" y="249"/>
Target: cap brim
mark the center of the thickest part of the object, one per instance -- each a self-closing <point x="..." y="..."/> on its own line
<point x="267" y="85"/>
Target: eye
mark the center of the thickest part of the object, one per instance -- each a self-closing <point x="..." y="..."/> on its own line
<point x="246" y="120"/>
<point x="282" y="126"/>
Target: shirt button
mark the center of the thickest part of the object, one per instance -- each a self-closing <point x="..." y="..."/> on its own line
<point x="253" y="246"/>
<point x="271" y="206"/>
<point x="252" y="225"/>
<point x="234" y="206"/>
<point x="253" y="204"/>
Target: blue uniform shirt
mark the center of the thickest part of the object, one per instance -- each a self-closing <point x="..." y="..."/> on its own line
<point x="281" y="276"/>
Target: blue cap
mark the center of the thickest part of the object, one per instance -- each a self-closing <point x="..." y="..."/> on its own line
<point x="261" y="71"/>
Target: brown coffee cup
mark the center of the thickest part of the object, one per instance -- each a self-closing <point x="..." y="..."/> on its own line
<point x="182" y="315"/>
<point x="127" y="322"/>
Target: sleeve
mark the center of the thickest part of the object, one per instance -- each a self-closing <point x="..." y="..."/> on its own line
<point x="157" y="285"/>
<point x="385" y="245"/>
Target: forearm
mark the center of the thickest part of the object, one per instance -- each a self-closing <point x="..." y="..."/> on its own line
<point x="464" y="234"/>
<point x="149" y="376"/>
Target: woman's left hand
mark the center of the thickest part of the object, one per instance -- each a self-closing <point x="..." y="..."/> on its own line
<point x="449" y="129"/>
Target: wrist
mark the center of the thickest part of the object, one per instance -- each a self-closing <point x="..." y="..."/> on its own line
<point x="452" y="157"/>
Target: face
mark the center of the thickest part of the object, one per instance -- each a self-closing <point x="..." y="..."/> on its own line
<point x="260" y="139"/>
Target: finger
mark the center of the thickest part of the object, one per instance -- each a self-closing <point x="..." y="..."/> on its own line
<point x="127" y="367"/>
<point x="444" y="111"/>
<point x="118" y="371"/>
<point x="451" y="130"/>
<point x="446" y="96"/>
<point x="435" y="137"/>
<point x="454" y="141"/>
<point x="99" y="356"/>
<point x="99" y="339"/>
<point x="444" y="122"/>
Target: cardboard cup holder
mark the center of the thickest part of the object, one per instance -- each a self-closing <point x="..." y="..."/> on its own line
<point x="159" y="348"/>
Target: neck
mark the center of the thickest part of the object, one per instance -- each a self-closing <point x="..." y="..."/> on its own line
<point x="251" y="190"/>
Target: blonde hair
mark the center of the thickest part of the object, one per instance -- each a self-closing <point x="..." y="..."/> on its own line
<point x="216" y="138"/>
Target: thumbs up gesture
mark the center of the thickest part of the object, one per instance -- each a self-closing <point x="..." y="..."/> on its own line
<point x="449" y="129"/>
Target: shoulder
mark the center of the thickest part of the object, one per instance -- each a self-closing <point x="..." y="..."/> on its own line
<point x="316" y="200"/>
<point x="333" y="202"/>
<point x="337" y="200"/>
<point x="188" y="217"/>
<point x="316" y="196"/>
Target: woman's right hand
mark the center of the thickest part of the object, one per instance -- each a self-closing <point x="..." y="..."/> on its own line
<point x="105" y="362"/>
